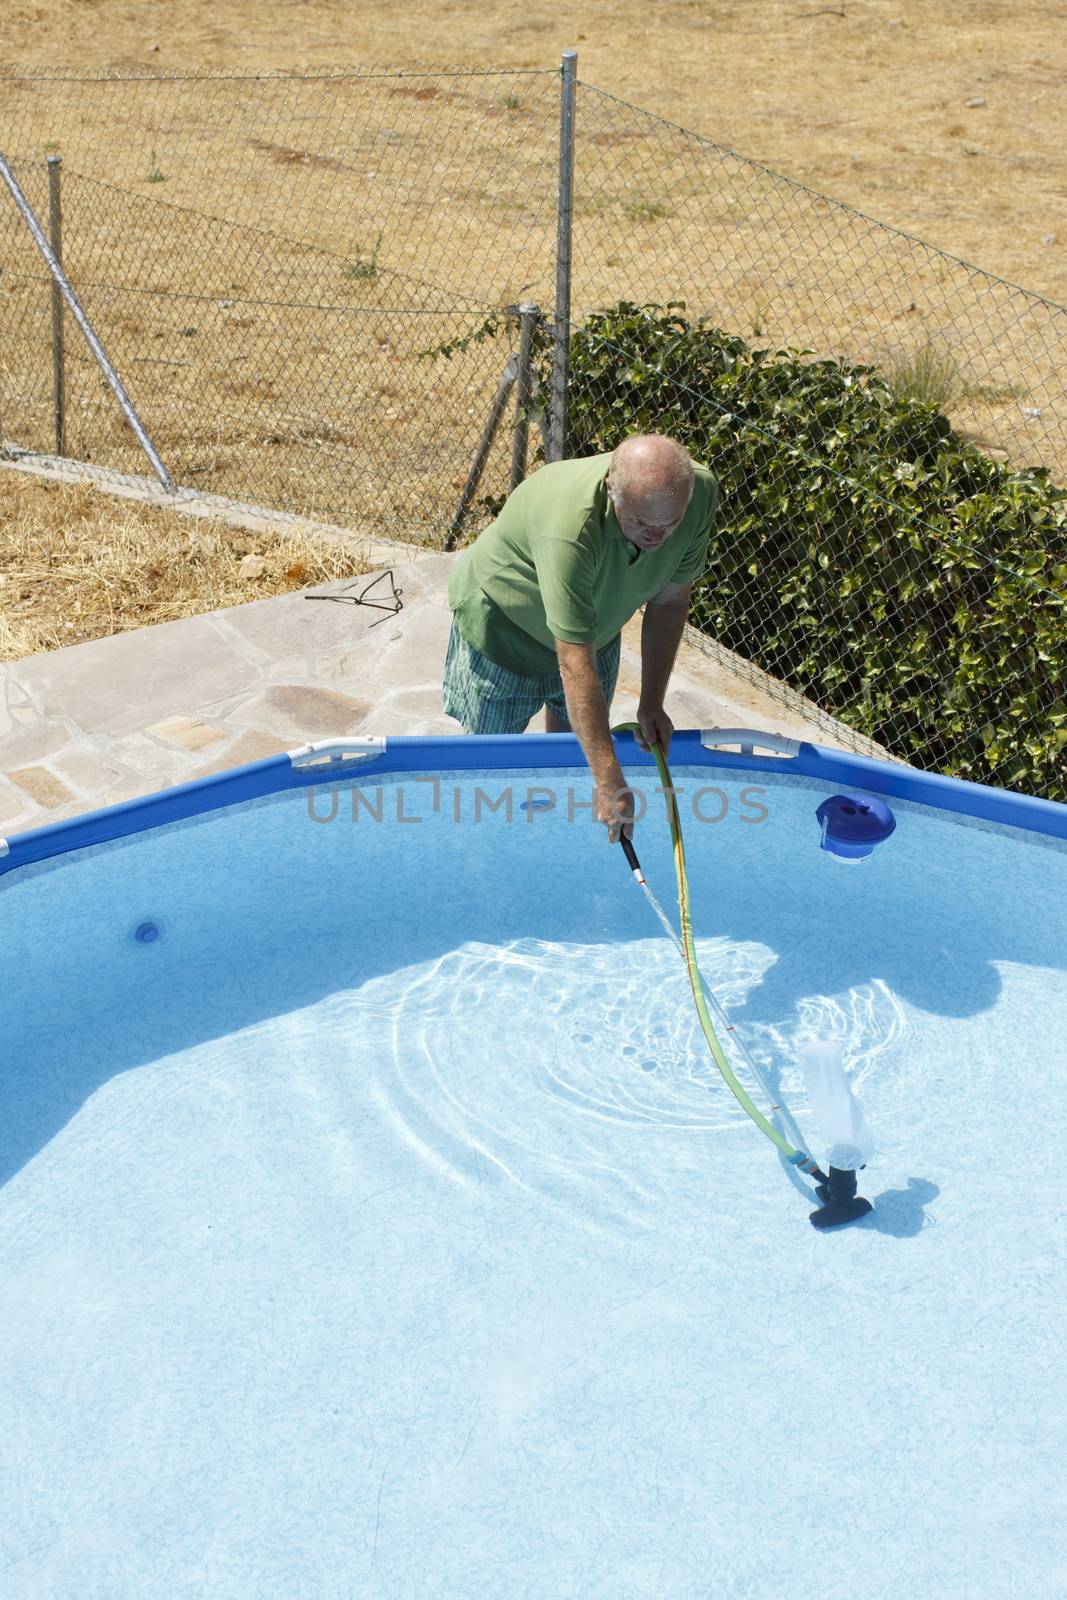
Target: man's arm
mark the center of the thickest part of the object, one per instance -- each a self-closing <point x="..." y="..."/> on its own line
<point x="588" y="713"/>
<point x="661" y="634"/>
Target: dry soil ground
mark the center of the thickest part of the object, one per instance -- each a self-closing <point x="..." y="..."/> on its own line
<point x="867" y="100"/>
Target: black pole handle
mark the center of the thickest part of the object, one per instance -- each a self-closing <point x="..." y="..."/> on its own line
<point x="629" y="852"/>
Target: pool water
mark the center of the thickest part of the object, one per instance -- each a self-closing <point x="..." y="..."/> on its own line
<point x="382" y="1226"/>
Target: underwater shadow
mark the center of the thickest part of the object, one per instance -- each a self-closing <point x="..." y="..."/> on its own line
<point x="900" y="1213"/>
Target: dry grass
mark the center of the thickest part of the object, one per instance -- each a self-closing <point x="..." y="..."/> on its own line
<point x="276" y="353"/>
<point x="927" y="374"/>
<point x="869" y="106"/>
<point x="75" y="565"/>
<point x="866" y="101"/>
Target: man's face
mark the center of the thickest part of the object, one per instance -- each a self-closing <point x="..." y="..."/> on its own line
<point x="648" y="520"/>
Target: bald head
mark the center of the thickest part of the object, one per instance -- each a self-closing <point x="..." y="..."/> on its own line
<point x="650" y="482"/>
<point x="651" y="464"/>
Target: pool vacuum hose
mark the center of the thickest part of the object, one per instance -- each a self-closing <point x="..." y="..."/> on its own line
<point x="836" y="1189"/>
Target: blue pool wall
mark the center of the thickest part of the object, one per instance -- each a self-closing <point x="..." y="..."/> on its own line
<point x="460" y="753"/>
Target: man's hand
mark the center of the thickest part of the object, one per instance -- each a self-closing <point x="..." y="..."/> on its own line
<point x="656" y="727"/>
<point x="615" y="808"/>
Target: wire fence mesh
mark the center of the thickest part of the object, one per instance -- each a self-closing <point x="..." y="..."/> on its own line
<point x="266" y="260"/>
<point x="672" y="216"/>
<point x="269" y="259"/>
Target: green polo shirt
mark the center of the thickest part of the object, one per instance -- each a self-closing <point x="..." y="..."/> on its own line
<point x="556" y="565"/>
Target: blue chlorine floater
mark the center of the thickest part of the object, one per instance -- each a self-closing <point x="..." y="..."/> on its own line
<point x="853" y="824"/>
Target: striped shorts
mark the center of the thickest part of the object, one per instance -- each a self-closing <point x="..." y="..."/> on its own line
<point x="486" y="698"/>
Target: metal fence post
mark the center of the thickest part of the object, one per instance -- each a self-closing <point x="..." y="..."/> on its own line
<point x="557" y="404"/>
<point x="530" y="316"/>
<point x="60" y="278"/>
<point x="55" y="231"/>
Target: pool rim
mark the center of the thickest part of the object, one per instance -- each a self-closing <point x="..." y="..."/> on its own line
<point x="330" y="761"/>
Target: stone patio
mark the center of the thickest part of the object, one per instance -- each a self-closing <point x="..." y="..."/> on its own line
<point x="120" y="717"/>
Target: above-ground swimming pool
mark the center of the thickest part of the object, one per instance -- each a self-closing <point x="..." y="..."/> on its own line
<point x="374" y="1220"/>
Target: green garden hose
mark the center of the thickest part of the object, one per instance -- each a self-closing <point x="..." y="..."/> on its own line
<point x="798" y="1158"/>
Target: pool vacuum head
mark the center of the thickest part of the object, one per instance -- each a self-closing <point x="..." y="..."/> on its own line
<point x="840" y="1203"/>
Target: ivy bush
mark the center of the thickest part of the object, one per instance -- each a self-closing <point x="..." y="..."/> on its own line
<point x="864" y="553"/>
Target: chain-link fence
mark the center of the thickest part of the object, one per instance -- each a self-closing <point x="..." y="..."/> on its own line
<point x="269" y="260"/>
<point x="663" y="214"/>
<point x="265" y="261"/>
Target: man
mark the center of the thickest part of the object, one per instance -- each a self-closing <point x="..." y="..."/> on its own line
<point x="540" y="598"/>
